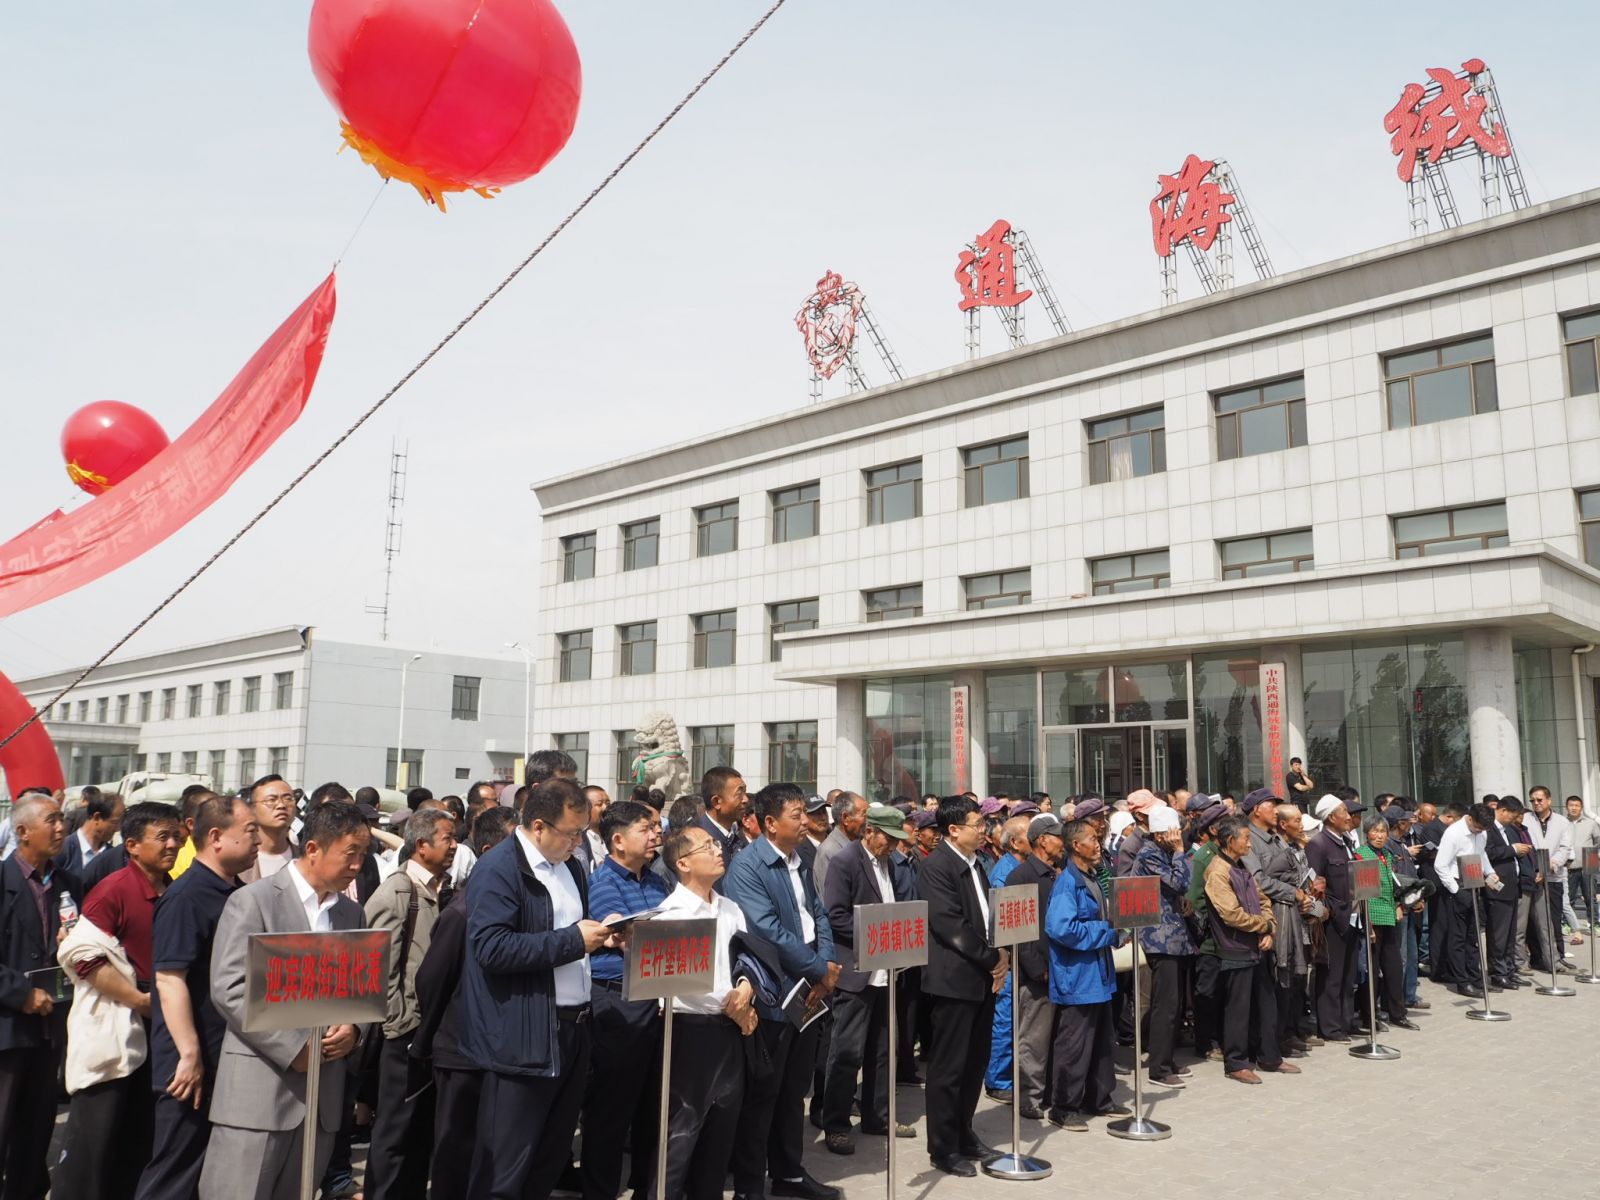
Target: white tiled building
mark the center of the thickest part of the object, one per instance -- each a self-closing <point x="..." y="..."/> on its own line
<point x="1373" y="474"/>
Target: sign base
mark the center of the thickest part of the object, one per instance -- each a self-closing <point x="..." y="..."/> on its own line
<point x="1487" y="1014"/>
<point x="1554" y="989"/>
<point x="1375" y="1052"/>
<point x="1586" y="978"/>
<point x="1017" y="1166"/>
<point x="1139" y="1129"/>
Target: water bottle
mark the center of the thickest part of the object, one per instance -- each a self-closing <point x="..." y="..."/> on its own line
<point x="69" y="911"/>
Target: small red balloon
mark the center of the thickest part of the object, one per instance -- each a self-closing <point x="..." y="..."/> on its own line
<point x="105" y="442"/>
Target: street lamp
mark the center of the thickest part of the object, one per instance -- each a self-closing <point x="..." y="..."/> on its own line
<point x="400" y="779"/>
<point x="527" y="698"/>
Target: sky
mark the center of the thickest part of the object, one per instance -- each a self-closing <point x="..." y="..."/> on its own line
<point x="172" y="191"/>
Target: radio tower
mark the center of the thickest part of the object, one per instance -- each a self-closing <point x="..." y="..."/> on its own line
<point x="391" y="531"/>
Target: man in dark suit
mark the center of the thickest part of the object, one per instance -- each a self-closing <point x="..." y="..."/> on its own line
<point x="98" y="824"/>
<point x="1504" y="850"/>
<point x="960" y="981"/>
<point x="1329" y="854"/>
<point x="1030" y="973"/>
<point x="726" y="800"/>
<point x="32" y="1026"/>
<point x="775" y="891"/>
<point x="903" y="860"/>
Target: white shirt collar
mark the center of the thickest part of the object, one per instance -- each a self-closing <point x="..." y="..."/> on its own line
<point x="685" y="901"/>
<point x="87" y="846"/>
<point x="532" y="853"/>
<point x="308" y="895"/>
<point x="969" y="859"/>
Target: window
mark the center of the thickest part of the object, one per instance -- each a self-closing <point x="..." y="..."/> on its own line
<point x="893" y="604"/>
<point x="1128" y="446"/>
<point x="638" y="645"/>
<point x="1261" y="419"/>
<point x="413" y="769"/>
<point x="463" y="772"/>
<point x="641" y="544"/>
<point x="1268" y="554"/>
<point x="221" y="697"/>
<point x="252" y="694"/>
<point x="996" y="472"/>
<point x="194" y="699"/>
<point x="795" y="512"/>
<point x="144" y="705"/>
<point x="122" y="709"/>
<point x="64" y="712"/>
<point x="1589" y="525"/>
<point x="1450" y="531"/>
<point x="163" y="764"/>
<point x="278" y="761"/>
<point x="1582" y="335"/>
<point x="577" y="745"/>
<point x="1131" y="573"/>
<point x="625" y="748"/>
<point x="894" y="493"/>
<point x="788" y="617"/>
<point x="169" y="703"/>
<point x="716" y="529"/>
<point x="191" y="762"/>
<point x="792" y="754"/>
<point x="1440" y="382"/>
<point x="216" y="767"/>
<point x="710" y="746"/>
<point x="283" y="690"/>
<point x="83" y="710"/>
<point x="464" y="697"/>
<point x="577" y="557"/>
<point x="714" y="635"/>
<point x="247" y="768"/>
<point x="1003" y="589"/>
<point x="102" y="710"/>
<point x="577" y="654"/>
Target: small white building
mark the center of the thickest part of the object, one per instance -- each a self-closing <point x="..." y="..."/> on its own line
<point x="286" y="702"/>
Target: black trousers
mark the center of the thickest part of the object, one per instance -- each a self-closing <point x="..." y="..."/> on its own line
<point x="1168" y="980"/>
<point x="1292" y="1023"/>
<point x="179" y="1151"/>
<point x="1083" y="1070"/>
<point x="819" y="1070"/>
<point x="1502" y="917"/>
<point x="110" y="1130"/>
<point x="623" y="1093"/>
<point x="859" y="1046"/>
<point x="771" y="1133"/>
<point x="455" y="1130"/>
<point x="1441" y="935"/>
<point x="1336" y="988"/>
<point x="1207" y="1004"/>
<point x="1464" y="968"/>
<point x="907" y="997"/>
<point x="703" y="1104"/>
<point x="1554" y="894"/>
<point x="27" y="1115"/>
<point x="958" y="1055"/>
<point x="1389" y="982"/>
<point x="402" y="1130"/>
<point x="1250" y="1016"/>
<point x="526" y="1123"/>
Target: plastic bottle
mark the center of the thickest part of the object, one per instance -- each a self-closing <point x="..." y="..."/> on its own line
<point x="69" y="911"/>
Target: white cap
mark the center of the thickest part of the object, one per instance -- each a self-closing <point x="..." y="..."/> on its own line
<point x="1163" y="819"/>
<point x="1327" y="805"/>
<point x="1119" y="822"/>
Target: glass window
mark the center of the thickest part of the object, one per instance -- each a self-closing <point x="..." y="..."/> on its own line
<point x="221" y="697"/>
<point x="624" y="747"/>
<point x="216" y="767"/>
<point x="641" y="544"/>
<point x="278" y="762"/>
<point x="1441" y="382"/>
<point x="1011" y="724"/>
<point x="1151" y="691"/>
<point x="1003" y="589"/>
<point x="1267" y="554"/>
<point x="577" y="654"/>
<point x="413" y="769"/>
<point x="1128" y="446"/>
<point x="577" y="557"/>
<point x="1229" y="754"/>
<point x="894" y="493"/>
<point x="252" y="694"/>
<point x="576" y="745"/>
<point x="464" y="697"/>
<point x="64" y="712"/>
<point x="714" y="635"/>
<point x="796" y="512"/>
<point x="102" y="710"/>
<point x="893" y="604"/>
<point x="283" y="690"/>
<point x="792" y="754"/>
<point x="190" y="763"/>
<point x="716" y="529"/>
<point x="1261" y="419"/>
<point x="145" y="699"/>
<point x="1131" y="572"/>
<point x="1077" y="696"/>
<point x="164" y="764"/>
<point x="1538" y="728"/>
<point x="247" y="768"/>
<point x="1582" y="335"/>
<point x="638" y="648"/>
<point x="996" y="472"/>
<point x="710" y="746"/>
<point x="83" y="710"/>
<point x="789" y="616"/>
<point x="908" y="735"/>
<point x="1589" y="525"/>
<point x="122" y="709"/>
<point x="195" y="698"/>
<point x="1450" y="531"/>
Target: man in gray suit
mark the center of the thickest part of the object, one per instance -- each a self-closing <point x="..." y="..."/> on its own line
<point x="259" y="1107"/>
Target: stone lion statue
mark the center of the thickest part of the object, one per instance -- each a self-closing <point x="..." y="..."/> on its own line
<point x="659" y="762"/>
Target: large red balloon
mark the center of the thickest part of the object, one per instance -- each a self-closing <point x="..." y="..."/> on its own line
<point x="30" y="758"/>
<point x="449" y="95"/>
<point x="105" y="442"/>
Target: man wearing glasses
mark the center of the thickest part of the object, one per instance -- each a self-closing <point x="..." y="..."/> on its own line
<point x="273" y="802"/>
<point x="525" y="995"/>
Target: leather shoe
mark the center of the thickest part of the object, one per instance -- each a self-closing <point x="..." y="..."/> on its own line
<point x="1032" y="1113"/>
<point x="804" y="1188"/>
<point x="1283" y="1068"/>
<point x="1114" y="1110"/>
<point x="998" y="1095"/>
<point x="952" y="1164"/>
<point x="1422" y="1004"/>
<point x="1245" y="1075"/>
<point x="1407" y="1023"/>
<point x="1469" y="989"/>
<point x="840" y="1143"/>
<point x="978" y="1150"/>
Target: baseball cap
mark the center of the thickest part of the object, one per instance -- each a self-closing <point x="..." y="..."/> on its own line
<point x="1262" y="795"/>
<point x="887" y="820"/>
<point x="1092" y="807"/>
<point x="1394" y="814"/>
<point x="990" y="807"/>
<point x="1045" y="823"/>
<point x="923" y="819"/>
<point x="370" y="813"/>
<point x="815" y="804"/>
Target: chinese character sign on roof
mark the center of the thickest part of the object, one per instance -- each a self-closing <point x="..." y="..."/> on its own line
<point x="986" y="271"/>
<point x="827" y="321"/>
<point x="1188" y="205"/>
<point x="1425" y="128"/>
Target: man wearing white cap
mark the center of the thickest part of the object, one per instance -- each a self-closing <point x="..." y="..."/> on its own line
<point x="1329" y="854"/>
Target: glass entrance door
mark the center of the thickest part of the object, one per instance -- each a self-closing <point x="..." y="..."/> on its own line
<point x="1111" y="762"/>
<point x="1169" y="758"/>
<point x="1061" y="763"/>
<point x="1116" y="761"/>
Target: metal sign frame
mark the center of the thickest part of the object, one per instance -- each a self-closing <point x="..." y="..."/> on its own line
<point x="1135" y="901"/>
<point x="1014" y="916"/>
<point x="1366" y="879"/>
<point x="667" y="958"/>
<point x="891" y="936"/>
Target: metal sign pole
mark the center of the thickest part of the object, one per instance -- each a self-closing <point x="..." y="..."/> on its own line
<point x="1138" y="1128"/>
<point x="1548" y="925"/>
<point x="1014" y="917"/>
<point x="1371" y="1051"/>
<point x="313" y="1126"/>
<point x="894" y="1080"/>
<point x="1485" y="1013"/>
<point x="666" y="1092"/>
<point x="1591" y="861"/>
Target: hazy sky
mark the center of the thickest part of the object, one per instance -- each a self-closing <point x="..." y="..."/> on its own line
<point x="171" y="191"/>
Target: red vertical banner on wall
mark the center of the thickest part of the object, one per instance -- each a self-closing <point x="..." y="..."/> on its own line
<point x="960" y="764"/>
<point x="1273" y="724"/>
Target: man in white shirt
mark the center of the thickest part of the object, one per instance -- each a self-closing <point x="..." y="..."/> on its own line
<point x="1585" y="836"/>
<point x="1552" y="832"/>
<point x="1464" y="838"/>
<point x="707" y="1084"/>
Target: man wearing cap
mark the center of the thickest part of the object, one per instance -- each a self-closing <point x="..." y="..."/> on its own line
<point x="1030" y="973"/>
<point x="925" y="829"/>
<point x="816" y="831"/>
<point x="1207" y="1000"/>
<point x="1014" y="852"/>
<point x="1329" y="855"/>
<point x="1169" y="948"/>
<point x="860" y="1045"/>
<point x="1141" y="803"/>
<point x="1277" y="876"/>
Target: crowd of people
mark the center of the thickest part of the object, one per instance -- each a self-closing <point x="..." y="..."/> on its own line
<point x="509" y="1063"/>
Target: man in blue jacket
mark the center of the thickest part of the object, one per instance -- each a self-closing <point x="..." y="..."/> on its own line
<point x="525" y="994"/>
<point x="773" y="888"/>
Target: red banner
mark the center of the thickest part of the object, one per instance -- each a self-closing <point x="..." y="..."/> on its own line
<point x="56" y="556"/>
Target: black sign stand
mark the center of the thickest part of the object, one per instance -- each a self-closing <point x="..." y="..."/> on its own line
<point x="1475" y="885"/>
<point x="1016" y="1165"/>
<point x="1137" y="1128"/>
<point x="1372" y="1052"/>
<point x="1551" y="946"/>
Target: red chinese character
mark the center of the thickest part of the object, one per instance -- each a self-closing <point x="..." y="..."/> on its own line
<point x="920" y="934"/>
<point x="987" y="275"/>
<point x="291" y="978"/>
<point x="1427" y="132"/>
<point x="683" y="956"/>
<point x="897" y="936"/>
<point x="872" y="939"/>
<point x="275" y="980"/>
<point x="885" y="935"/>
<point x="325" y="977"/>
<point x="1188" y="206"/>
<point x="702" y="954"/>
<point x="341" y="975"/>
<point x="372" y="976"/>
<point x="308" y="977"/>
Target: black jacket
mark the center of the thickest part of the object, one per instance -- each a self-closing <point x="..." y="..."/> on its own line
<point x="903" y="870"/>
<point x="960" y="958"/>
<point x="1328" y="856"/>
<point x="850" y="881"/>
<point x="1498" y="845"/>
<point x="1033" y="958"/>
<point x="1433" y="832"/>
<point x="438" y="1037"/>
<point x="24" y="947"/>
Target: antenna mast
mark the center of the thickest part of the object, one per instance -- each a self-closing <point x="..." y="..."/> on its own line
<point x="391" y="530"/>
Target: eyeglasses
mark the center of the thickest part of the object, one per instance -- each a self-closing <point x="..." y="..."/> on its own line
<point x="979" y="824"/>
<point x="571" y="835"/>
<point x="697" y="850"/>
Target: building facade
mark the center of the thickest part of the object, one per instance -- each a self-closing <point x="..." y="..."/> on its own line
<point x="1350" y="514"/>
<point x="289" y="703"/>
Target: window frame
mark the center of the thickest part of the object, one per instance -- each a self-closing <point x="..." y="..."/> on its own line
<point x="1160" y="579"/>
<point x="790" y="624"/>
<point x="1571" y="345"/>
<point x="781" y="734"/>
<point x="1003" y="598"/>
<point x="624" y="653"/>
<point x="1241" y="570"/>
<point x="570" y="555"/>
<point x="566" y="652"/>
<point x="973" y="474"/>
<point x="703" y="637"/>
<point x="221" y="697"/>
<point x="699" y="759"/>
<point x="123" y="702"/>
<point x="146" y="706"/>
<point x="1419" y="545"/>
<point x="710" y="518"/>
<point x="282" y="690"/>
<point x="632" y="539"/>
<point x="876" y="491"/>
<point x="578" y="749"/>
<point x="1439" y="367"/>
<point x="169" y="704"/>
<point x="194" y="700"/>
<point x="189" y="764"/>
<point x="247" y="763"/>
<point x="1292" y="406"/>
<point x="1585" y="524"/>
<point x="782" y="508"/>
<point x="466" y="697"/>
<point x="1156" y="433"/>
<point x="874" y="616"/>
<point x="250" y="699"/>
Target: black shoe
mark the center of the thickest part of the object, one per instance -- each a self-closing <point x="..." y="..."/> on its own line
<point x="978" y="1150"/>
<point x="952" y="1164"/>
<point x="1115" y="1110"/>
<point x="1032" y="1113"/>
<point x="840" y="1143"/>
<point x="805" y="1188"/>
<point x="1495" y="987"/>
<point x="1407" y="1023"/>
<point x="1469" y="990"/>
<point x="1337" y="1037"/>
<point x="1073" y="1122"/>
<point x="816" y="1118"/>
<point x="998" y="1095"/>
<point x="909" y="1079"/>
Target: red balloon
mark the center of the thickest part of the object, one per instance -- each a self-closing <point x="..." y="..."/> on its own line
<point x="449" y="95"/>
<point x="105" y="442"/>
<point x="30" y="758"/>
